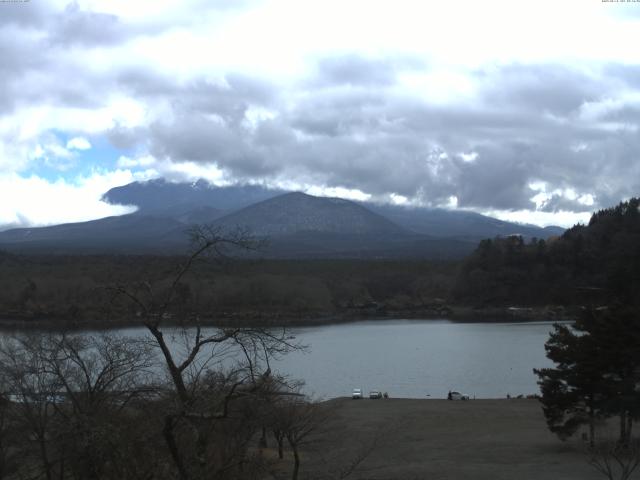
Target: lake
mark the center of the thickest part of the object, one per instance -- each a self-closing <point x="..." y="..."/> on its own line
<point x="420" y="358"/>
<point x="413" y="358"/>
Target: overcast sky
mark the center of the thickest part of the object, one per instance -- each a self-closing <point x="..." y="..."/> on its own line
<point x="525" y="110"/>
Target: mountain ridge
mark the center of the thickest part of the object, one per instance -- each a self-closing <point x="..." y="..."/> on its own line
<point x="298" y="225"/>
<point x="296" y="212"/>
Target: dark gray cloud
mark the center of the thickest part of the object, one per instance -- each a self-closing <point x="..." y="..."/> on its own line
<point x="21" y="55"/>
<point x="629" y="74"/>
<point x="142" y="81"/>
<point x="525" y="128"/>
<point x="339" y="113"/>
<point x="77" y="27"/>
<point x="125" y="138"/>
<point x="37" y="68"/>
<point x="349" y="124"/>
<point x="542" y="88"/>
<point x="29" y="15"/>
<point x="355" y="70"/>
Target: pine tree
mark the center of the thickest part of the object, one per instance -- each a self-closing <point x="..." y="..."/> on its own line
<point x="597" y="372"/>
<point x="573" y="392"/>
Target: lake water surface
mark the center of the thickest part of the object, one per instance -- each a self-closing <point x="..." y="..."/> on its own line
<point x="420" y="358"/>
<point x="414" y="358"/>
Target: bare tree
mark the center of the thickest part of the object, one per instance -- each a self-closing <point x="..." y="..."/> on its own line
<point x="68" y="395"/>
<point x="9" y="457"/>
<point x="615" y="460"/>
<point x="97" y="376"/>
<point x="237" y="358"/>
<point x="33" y="391"/>
<point x="295" y="419"/>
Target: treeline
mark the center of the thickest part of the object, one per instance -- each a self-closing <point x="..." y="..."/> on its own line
<point x="73" y="288"/>
<point x="589" y="264"/>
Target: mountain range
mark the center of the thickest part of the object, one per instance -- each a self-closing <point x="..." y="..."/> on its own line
<point x="296" y="225"/>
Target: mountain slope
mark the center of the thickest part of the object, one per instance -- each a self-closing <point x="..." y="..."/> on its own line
<point x="127" y="233"/>
<point x="303" y="226"/>
<point x="458" y="223"/>
<point x="296" y="212"/>
<point x="160" y="197"/>
<point x="296" y="225"/>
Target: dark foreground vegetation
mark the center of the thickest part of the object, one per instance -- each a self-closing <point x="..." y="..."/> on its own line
<point x="106" y="407"/>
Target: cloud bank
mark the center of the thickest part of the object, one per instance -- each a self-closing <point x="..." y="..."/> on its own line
<point x="386" y="102"/>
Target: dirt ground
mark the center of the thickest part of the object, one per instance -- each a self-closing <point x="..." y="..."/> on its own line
<point x="440" y="439"/>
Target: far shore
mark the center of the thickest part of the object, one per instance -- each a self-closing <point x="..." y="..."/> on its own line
<point x="27" y="321"/>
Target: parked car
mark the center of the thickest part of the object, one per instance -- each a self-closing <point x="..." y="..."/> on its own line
<point x="374" y="394"/>
<point x="457" y="396"/>
<point x="357" y="393"/>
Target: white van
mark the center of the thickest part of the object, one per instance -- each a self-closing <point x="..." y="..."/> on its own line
<point x="458" y="396"/>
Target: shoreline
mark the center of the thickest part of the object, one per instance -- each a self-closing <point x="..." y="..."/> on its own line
<point x="458" y="314"/>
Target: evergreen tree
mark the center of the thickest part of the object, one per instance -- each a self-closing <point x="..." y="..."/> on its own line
<point x="604" y="255"/>
<point x="597" y="372"/>
<point x="572" y="393"/>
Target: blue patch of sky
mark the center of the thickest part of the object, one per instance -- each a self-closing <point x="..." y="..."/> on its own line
<point x="102" y="156"/>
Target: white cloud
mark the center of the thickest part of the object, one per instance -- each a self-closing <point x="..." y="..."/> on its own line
<point x="469" y="157"/>
<point x="399" y="199"/>
<point x="143" y="161"/>
<point x="561" y="218"/>
<point x="340" y="192"/>
<point x="586" y="199"/>
<point x="78" y="143"/>
<point x="186" y="171"/>
<point x="34" y="201"/>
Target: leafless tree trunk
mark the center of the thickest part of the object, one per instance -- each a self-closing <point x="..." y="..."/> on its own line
<point x="279" y="436"/>
<point x="199" y="406"/>
<point x="68" y="392"/>
<point x="296" y="459"/>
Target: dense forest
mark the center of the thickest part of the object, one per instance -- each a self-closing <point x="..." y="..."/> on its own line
<point x="598" y="263"/>
<point x="76" y="288"/>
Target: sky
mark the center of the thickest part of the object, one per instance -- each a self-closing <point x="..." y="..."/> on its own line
<point x="526" y="111"/>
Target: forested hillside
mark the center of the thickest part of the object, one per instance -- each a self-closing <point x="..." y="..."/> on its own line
<point x="75" y="288"/>
<point x="589" y="264"/>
